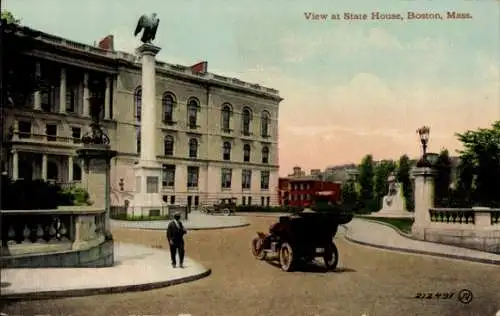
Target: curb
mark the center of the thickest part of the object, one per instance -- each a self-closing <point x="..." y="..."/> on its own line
<point x="399" y="231"/>
<point x="262" y="214"/>
<point x="421" y="252"/>
<point x="187" y="228"/>
<point x="108" y="290"/>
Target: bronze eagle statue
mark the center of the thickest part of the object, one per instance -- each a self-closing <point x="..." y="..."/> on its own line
<point x="150" y="25"/>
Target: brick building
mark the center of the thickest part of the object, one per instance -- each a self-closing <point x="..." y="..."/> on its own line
<point x="300" y="191"/>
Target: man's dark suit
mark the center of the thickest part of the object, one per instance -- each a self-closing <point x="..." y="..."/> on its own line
<point x="175" y="236"/>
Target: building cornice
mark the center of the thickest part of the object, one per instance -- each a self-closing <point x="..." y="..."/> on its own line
<point x="110" y="61"/>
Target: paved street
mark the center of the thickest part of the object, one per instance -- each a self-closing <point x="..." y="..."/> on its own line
<point x="369" y="281"/>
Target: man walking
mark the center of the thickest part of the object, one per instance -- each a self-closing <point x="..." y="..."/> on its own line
<point x="175" y="236"/>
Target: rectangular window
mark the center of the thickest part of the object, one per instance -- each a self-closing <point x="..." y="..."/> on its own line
<point x="76" y="134"/>
<point x="24" y="129"/>
<point x="196" y="200"/>
<point x="168" y="175"/>
<point x="249" y="200"/>
<point x="243" y="200"/>
<point x="151" y="184"/>
<point x="51" y="132"/>
<point x="193" y="173"/>
<point x="268" y="201"/>
<point x="264" y="180"/>
<point x="172" y="199"/>
<point x="246" y="179"/>
<point x="138" y="184"/>
<point x="261" y="201"/>
<point x="226" y="175"/>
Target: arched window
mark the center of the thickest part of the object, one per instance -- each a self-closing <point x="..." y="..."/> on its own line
<point x="247" y="118"/>
<point x="77" y="172"/>
<point x="246" y="152"/>
<point x="168" y="107"/>
<point x="226" y="117"/>
<point x="264" y="124"/>
<point x="193" y="148"/>
<point x="138" y="139"/>
<point x="168" y="145"/>
<point x="265" y="154"/>
<point x="193" y="113"/>
<point x="226" y="151"/>
<point x="52" y="170"/>
<point x="138" y="103"/>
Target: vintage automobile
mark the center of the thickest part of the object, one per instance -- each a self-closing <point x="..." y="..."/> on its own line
<point x="225" y="206"/>
<point x="300" y="239"/>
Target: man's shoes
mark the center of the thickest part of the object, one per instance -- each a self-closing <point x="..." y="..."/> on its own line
<point x="181" y="266"/>
<point x="174" y="265"/>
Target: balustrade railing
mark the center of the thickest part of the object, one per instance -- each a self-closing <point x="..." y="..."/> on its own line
<point x="44" y="231"/>
<point x="464" y="215"/>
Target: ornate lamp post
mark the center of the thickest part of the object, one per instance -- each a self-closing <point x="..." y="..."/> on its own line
<point x="428" y="159"/>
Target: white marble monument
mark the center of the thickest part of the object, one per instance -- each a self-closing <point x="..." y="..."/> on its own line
<point x="148" y="171"/>
<point x="393" y="204"/>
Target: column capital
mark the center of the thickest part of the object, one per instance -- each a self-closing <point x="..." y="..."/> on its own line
<point x="148" y="50"/>
<point x="423" y="172"/>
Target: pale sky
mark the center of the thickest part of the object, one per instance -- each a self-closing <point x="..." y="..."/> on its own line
<point x="350" y="88"/>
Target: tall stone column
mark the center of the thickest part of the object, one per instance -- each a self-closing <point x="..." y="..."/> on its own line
<point x="15" y="165"/>
<point x="86" y="95"/>
<point x="107" y="99"/>
<point x="148" y="171"/>
<point x="62" y="91"/>
<point x="70" y="168"/>
<point x="37" y="96"/>
<point x="148" y="102"/>
<point x="424" y="200"/>
<point x="44" y="167"/>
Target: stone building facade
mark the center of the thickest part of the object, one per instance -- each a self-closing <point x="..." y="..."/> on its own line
<point x="216" y="137"/>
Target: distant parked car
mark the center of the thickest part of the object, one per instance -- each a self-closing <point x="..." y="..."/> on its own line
<point x="226" y="206"/>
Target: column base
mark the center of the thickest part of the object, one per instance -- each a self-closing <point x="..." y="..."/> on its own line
<point x="147" y="204"/>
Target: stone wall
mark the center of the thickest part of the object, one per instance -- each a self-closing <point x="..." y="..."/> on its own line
<point x="96" y="257"/>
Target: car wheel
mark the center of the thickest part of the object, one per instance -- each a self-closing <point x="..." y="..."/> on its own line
<point x="286" y="257"/>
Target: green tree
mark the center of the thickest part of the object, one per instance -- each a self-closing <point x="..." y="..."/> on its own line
<point x="8" y="18"/>
<point x="349" y="196"/>
<point x="442" y="179"/>
<point x="403" y="177"/>
<point x="481" y="154"/>
<point x="365" y="180"/>
<point x="382" y="172"/>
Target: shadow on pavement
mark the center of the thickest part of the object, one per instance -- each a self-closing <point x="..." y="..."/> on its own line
<point x="312" y="268"/>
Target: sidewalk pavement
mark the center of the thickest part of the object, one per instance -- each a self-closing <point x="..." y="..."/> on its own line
<point x="263" y="214"/>
<point x="383" y="236"/>
<point x="196" y="221"/>
<point x="137" y="268"/>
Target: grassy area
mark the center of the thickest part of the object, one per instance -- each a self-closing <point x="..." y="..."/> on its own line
<point x="403" y="224"/>
<point x="124" y="217"/>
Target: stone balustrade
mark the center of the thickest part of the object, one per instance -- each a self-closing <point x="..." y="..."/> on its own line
<point x="476" y="216"/>
<point x="72" y="228"/>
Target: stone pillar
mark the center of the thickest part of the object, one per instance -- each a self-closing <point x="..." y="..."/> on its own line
<point x="86" y="95"/>
<point x="424" y="200"/>
<point x="15" y="165"/>
<point x="70" y="168"/>
<point x="44" y="167"/>
<point x="97" y="163"/>
<point x="62" y="92"/>
<point x="148" y="102"/>
<point x="107" y="99"/>
<point x="37" y="97"/>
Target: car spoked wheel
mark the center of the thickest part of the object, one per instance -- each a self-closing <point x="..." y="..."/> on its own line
<point x="331" y="257"/>
<point x="226" y="212"/>
<point x="258" y="249"/>
<point x="286" y="257"/>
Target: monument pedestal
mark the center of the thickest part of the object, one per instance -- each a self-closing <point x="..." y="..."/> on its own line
<point x="393" y="204"/>
<point x="148" y="200"/>
<point x="97" y="165"/>
<point x="424" y="200"/>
